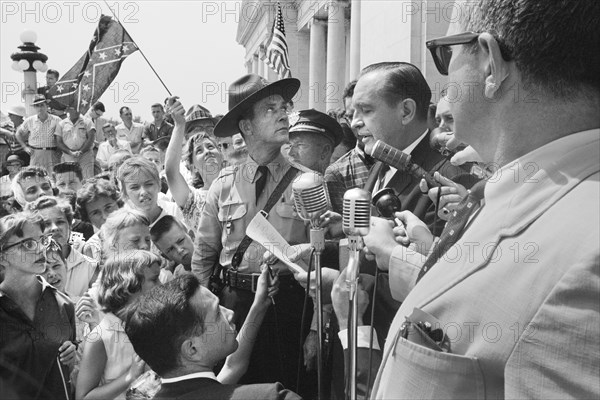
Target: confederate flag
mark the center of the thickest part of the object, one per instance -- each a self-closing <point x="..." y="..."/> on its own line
<point x="85" y="82"/>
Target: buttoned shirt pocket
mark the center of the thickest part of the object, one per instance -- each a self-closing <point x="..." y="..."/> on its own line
<point x="231" y="216"/>
<point x="412" y="368"/>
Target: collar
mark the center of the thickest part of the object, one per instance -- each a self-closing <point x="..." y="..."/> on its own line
<point x="526" y="187"/>
<point x="276" y="166"/>
<point x="409" y="149"/>
<point x="195" y="375"/>
<point x="42" y="281"/>
<point x="74" y="259"/>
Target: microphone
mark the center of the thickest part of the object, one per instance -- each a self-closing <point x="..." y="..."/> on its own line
<point x="401" y="161"/>
<point x="356" y="222"/>
<point x="357" y="212"/>
<point x="310" y="197"/>
<point x="312" y="200"/>
<point x="386" y="202"/>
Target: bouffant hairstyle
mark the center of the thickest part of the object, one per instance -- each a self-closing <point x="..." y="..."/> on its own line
<point x="122" y="276"/>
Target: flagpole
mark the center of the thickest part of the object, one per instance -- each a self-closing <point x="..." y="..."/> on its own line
<point x="139" y="49"/>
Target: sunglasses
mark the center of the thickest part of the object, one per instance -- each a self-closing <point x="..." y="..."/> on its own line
<point x="441" y="49"/>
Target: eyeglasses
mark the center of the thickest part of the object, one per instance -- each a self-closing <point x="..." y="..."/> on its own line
<point x="442" y="52"/>
<point x="31" y="244"/>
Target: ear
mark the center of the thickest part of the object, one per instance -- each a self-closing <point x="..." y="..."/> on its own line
<point x="245" y="127"/>
<point x="189" y="350"/>
<point x="407" y="110"/>
<point x="497" y="69"/>
<point x="327" y="151"/>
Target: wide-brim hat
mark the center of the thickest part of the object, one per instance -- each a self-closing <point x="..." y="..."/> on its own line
<point x="39" y="99"/>
<point x="246" y="91"/>
<point x="17" y="110"/>
<point x="195" y="114"/>
<point x="318" y="123"/>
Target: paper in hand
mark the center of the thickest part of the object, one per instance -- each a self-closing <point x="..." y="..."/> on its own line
<point x="267" y="236"/>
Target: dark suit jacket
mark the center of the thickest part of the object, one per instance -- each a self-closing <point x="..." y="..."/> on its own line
<point x="411" y="199"/>
<point x="407" y="186"/>
<point x="206" y="388"/>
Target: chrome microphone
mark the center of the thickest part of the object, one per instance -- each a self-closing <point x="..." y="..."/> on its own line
<point x="357" y="212"/>
<point x="356" y="222"/>
<point x="401" y="161"/>
<point x="312" y="200"/>
<point x="310" y="197"/>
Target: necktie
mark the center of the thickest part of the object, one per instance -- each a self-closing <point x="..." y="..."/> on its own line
<point x="261" y="181"/>
<point x="455" y="226"/>
<point x="381" y="177"/>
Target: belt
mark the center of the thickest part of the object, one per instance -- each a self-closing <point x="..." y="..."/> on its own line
<point x="239" y="280"/>
<point x="43" y="148"/>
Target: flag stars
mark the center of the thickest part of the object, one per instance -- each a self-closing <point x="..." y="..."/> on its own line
<point x="102" y="55"/>
<point x="86" y="88"/>
<point x="87" y="74"/>
<point x="118" y="52"/>
<point x="74" y="85"/>
<point x="59" y="88"/>
<point x="125" y="48"/>
<point x="84" y="102"/>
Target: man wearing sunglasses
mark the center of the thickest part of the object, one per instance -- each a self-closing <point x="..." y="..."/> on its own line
<point x="517" y="294"/>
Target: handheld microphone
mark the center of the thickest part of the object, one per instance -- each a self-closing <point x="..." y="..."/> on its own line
<point x="401" y="161"/>
<point x="386" y="202"/>
<point x="310" y="197"/>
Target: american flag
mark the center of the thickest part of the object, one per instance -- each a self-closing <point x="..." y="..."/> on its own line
<point x="276" y="55"/>
<point x="87" y="80"/>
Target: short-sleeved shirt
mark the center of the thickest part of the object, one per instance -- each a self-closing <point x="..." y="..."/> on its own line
<point x="133" y="136"/>
<point x="98" y="124"/>
<point x="75" y="134"/>
<point x="230" y="206"/>
<point x="29" y="349"/>
<point x="105" y="150"/>
<point x="41" y="133"/>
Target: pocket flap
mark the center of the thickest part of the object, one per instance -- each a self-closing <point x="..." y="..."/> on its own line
<point x="232" y="211"/>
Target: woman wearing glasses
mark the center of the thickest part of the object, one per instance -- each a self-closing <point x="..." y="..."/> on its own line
<point x="38" y="322"/>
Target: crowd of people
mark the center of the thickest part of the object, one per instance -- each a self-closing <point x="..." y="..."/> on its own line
<point x="126" y="269"/>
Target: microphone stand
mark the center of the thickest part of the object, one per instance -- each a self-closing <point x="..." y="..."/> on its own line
<point x="355" y="244"/>
<point x="317" y="242"/>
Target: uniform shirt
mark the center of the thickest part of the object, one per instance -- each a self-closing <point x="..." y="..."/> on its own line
<point x="41" y="133"/>
<point x="231" y="205"/>
<point x="133" y="135"/>
<point x="29" y="349"/>
<point x="74" y="134"/>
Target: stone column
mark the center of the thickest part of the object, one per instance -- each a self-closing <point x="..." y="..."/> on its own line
<point x="255" y="64"/>
<point x="317" y="73"/>
<point x="336" y="55"/>
<point x="355" y="39"/>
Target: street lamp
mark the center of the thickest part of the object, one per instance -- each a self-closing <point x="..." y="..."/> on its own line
<point x="29" y="61"/>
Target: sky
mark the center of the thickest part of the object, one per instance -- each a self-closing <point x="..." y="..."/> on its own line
<point x="191" y="45"/>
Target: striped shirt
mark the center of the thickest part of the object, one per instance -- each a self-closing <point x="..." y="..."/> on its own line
<point x="41" y="133"/>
